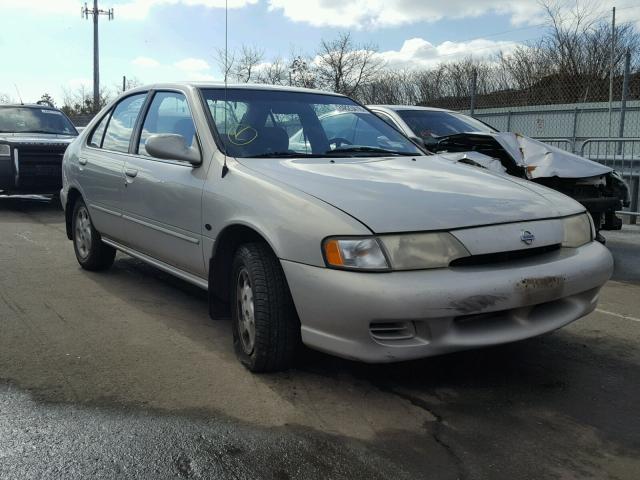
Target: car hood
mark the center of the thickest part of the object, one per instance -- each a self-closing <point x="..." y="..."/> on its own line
<point x="36" y="138"/>
<point x="402" y="194"/>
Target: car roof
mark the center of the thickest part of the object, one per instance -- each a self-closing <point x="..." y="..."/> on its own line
<point x="395" y="108"/>
<point x="221" y="85"/>
<point x="27" y="105"/>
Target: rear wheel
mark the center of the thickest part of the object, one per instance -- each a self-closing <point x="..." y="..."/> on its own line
<point x="91" y="252"/>
<point x="266" y="330"/>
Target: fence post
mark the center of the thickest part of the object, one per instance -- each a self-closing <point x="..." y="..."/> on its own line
<point x="575" y="129"/>
<point x="474" y="81"/>
<point x="625" y="92"/>
<point x="611" y="67"/>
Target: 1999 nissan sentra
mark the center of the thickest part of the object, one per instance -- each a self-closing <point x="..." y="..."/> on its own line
<point x="333" y="230"/>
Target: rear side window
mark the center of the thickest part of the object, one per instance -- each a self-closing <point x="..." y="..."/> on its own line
<point x="120" y="127"/>
<point x="168" y="113"/>
<point x="96" y="137"/>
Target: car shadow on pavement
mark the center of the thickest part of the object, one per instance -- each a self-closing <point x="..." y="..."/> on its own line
<point x="47" y="208"/>
<point x="569" y="373"/>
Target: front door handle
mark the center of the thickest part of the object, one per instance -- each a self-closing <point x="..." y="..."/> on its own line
<point x="82" y="161"/>
<point x="131" y="172"/>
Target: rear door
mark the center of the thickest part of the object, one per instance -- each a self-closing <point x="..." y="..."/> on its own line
<point x="102" y="161"/>
<point x="163" y="198"/>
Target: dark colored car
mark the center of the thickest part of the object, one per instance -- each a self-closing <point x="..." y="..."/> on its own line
<point x="461" y="138"/>
<point x="33" y="139"/>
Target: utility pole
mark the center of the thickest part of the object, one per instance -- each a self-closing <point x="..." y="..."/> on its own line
<point x="95" y="12"/>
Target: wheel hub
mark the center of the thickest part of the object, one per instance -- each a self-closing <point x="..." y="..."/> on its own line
<point x="83" y="232"/>
<point x="246" y="319"/>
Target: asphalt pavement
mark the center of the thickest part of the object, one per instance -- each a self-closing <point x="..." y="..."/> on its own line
<point x="122" y="374"/>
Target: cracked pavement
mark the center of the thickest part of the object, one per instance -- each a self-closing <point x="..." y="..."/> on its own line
<point x="123" y="375"/>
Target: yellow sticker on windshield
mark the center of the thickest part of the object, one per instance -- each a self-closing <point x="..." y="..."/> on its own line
<point x="242" y="135"/>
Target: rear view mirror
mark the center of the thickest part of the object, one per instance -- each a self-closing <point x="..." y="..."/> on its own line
<point x="171" y="146"/>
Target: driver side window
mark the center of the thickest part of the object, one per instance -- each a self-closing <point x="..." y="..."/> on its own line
<point x="168" y="113"/>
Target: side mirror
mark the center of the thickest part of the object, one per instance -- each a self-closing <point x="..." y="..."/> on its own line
<point x="171" y="146"/>
<point x="419" y="141"/>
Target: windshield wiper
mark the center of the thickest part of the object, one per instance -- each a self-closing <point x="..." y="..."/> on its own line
<point x="363" y="149"/>
<point x="44" y="131"/>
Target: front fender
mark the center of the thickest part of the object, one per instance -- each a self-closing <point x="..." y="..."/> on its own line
<point x="292" y="222"/>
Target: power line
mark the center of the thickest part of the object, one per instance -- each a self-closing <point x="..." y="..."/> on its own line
<point x="496" y="34"/>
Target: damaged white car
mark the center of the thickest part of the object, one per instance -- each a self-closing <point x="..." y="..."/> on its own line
<point x="464" y="139"/>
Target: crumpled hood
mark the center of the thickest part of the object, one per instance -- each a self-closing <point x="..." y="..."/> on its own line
<point x="547" y="160"/>
<point x="400" y="194"/>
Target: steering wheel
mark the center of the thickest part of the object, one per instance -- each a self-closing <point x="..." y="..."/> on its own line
<point x="339" y="141"/>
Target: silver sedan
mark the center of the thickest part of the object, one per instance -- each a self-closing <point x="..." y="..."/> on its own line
<point x="333" y="231"/>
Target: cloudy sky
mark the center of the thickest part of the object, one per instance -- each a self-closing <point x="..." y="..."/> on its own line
<point x="46" y="46"/>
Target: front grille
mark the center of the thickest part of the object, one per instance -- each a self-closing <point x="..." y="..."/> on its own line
<point x="502" y="257"/>
<point x="40" y="167"/>
<point x="386" y="331"/>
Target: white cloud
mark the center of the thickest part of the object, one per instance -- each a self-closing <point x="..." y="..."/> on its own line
<point x="130" y="9"/>
<point x="192" y="65"/>
<point x="145" y="62"/>
<point x="419" y="53"/>
<point x="383" y="13"/>
<point x="139" y="9"/>
<point x="43" y="6"/>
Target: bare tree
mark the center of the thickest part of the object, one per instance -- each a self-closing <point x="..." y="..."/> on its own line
<point x="80" y="101"/>
<point x="47" y="99"/>
<point x="5" y="98"/>
<point x="239" y="65"/>
<point x="226" y="61"/>
<point x="301" y="72"/>
<point x="344" y="67"/>
<point x="273" y="73"/>
<point x="248" y="60"/>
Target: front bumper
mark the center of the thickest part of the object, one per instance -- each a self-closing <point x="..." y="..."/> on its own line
<point x="387" y="317"/>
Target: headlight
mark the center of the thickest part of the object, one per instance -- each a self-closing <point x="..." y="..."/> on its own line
<point x="422" y="250"/>
<point x="578" y="230"/>
<point x="355" y="253"/>
<point x="5" y="151"/>
<point x="414" y="251"/>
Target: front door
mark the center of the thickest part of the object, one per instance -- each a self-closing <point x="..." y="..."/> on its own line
<point x="163" y="198"/>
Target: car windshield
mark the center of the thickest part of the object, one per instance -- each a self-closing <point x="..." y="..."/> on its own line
<point x="432" y="124"/>
<point x="35" y="120"/>
<point x="280" y="124"/>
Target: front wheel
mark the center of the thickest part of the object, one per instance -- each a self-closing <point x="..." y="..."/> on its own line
<point x="266" y="330"/>
<point x="91" y="252"/>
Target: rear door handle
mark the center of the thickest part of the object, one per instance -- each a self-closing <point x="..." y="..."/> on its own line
<point x="131" y="172"/>
<point x="82" y="161"/>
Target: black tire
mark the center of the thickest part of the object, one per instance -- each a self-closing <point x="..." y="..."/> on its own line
<point x="91" y="252"/>
<point x="276" y="325"/>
